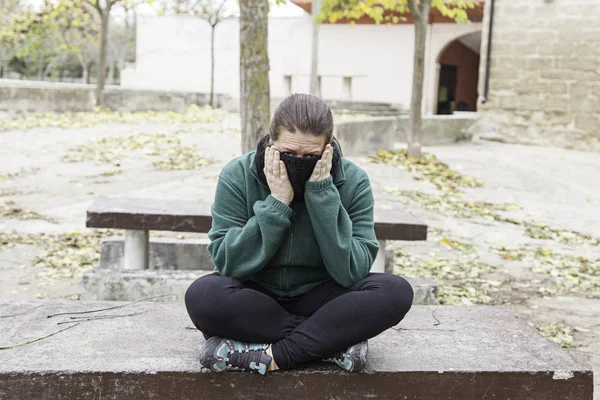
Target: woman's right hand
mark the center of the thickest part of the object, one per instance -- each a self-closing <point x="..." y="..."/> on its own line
<point x="277" y="177"/>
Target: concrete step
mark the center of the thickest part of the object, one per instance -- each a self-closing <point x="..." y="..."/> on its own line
<point x="168" y="253"/>
<point x="165" y="253"/>
<point x="435" y="353"/>
<point x="119" y="285"/>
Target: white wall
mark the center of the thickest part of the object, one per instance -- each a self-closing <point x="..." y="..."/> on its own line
<point x="173" y="53"/>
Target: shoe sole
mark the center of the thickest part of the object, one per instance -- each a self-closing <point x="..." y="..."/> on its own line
<point x="207" y="353"/>
<point x="364" y="349"/>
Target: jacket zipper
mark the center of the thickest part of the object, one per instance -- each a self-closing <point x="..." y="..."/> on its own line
<point x="292" y="228"/>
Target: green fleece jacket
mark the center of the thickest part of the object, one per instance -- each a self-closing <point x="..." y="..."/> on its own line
<point x="290" y="250"/>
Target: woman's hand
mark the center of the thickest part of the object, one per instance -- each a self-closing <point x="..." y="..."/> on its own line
<point x="277" y="177"/>
<point x="323" y="167"/>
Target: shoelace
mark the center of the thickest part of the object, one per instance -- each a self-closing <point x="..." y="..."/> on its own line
<point x="243" y="358"/>
<point x="338" y="355"/>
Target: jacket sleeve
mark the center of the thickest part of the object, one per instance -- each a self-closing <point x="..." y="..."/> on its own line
<point x="241" y="246"/>
<point x="346" y="238"/>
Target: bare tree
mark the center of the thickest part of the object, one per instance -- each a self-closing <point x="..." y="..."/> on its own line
<point x="213" y="12"/>
<point x="120" y="39"/>
<point x="128" y="39"/>
<point x="314" y="78"/>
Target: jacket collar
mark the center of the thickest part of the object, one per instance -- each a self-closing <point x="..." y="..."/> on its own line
<point x="338" y="179"/>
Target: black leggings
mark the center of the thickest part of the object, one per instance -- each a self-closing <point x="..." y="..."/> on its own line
<point x="310" y="327"/>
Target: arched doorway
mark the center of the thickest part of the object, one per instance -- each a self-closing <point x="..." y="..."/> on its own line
<point x="458" y="75"/>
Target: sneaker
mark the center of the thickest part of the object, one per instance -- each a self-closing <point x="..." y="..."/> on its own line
<point x="220" y="355"/>
<point x="353" y="359"/>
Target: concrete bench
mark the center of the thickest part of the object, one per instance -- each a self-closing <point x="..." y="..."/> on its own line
<point x="189" y="259"/>
<point x="139" y="216"/>
<point x="466" y="353"/>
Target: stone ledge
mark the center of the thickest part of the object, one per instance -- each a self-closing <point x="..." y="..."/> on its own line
<point x="435" y="353"/>
<point x="120" y="285"/>
<point x="176" y="254"/>
<point x="364" y="136"/>
<point x="164" y="253"/>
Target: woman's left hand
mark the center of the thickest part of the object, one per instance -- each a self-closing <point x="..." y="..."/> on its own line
<point x="323" y="167"/>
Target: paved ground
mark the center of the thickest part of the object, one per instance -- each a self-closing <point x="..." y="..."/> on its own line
<point x="558" y="187"/>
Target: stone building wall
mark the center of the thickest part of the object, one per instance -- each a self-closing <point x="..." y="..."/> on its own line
<point x="544" y="85"/>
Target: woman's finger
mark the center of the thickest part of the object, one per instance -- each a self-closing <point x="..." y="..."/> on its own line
<point x="275" y="165"/>
<point x="282" y="170"/>
<point x="316" y="172"/>
<point x="265" y="169"/>
<point x="269" y="160"/>
<point x="324" y="164"/>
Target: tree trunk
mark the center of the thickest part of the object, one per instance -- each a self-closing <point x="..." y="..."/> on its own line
<point x="121" y="64"/>
<point x="111" y="72"/>
<point x="122" y="57"/>
<point x="212" y="65"/>
<point x="254" y="72"/>
<point x="5" y="69"/>
<point x="84" y="69"/>
<point x="48" y="69"/>
<point x="314" y="77"/>
<point x="103" y="53"/>
<point x="124" y="42"/>
<point x="416" y="118"/>
<point x="40" y="66"/>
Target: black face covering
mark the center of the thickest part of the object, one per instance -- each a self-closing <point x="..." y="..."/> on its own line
<point x="299" y="169"/>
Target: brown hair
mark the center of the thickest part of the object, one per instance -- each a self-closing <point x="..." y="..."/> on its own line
<point x="303" y="113"/>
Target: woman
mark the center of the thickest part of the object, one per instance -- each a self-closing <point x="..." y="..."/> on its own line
<point x="293" y="241"/>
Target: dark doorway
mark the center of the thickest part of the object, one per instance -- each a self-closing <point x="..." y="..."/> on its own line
<point x="446" y="88"/>
<point x="459" y="72"/>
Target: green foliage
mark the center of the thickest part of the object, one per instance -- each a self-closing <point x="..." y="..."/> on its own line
<point x="40" y="40"/>
<point x="390" y="11"/>
<point x="75" y="23"/>
<point x="61" y="36"/>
